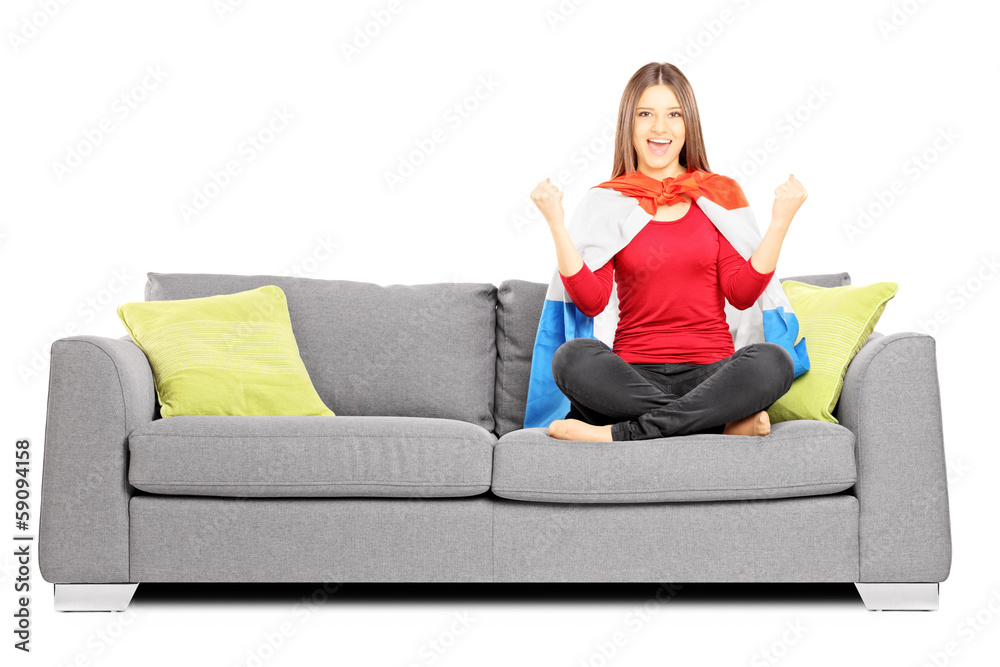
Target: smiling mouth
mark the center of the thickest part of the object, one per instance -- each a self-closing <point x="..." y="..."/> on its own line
<point x="658" y="148"/>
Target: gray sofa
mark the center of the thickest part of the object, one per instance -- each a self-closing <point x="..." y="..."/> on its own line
<point x="426" y="474"/>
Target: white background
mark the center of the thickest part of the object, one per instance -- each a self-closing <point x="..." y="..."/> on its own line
<point x="851" y="93"/>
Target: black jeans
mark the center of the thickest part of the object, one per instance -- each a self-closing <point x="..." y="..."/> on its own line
<point x="643" y="401"/>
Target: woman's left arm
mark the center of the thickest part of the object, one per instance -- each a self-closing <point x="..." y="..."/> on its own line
<point x="788" y="197"/>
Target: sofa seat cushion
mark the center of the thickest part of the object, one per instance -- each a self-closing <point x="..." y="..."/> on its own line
<point x="282" y="456"/>
<point x="798" y="458"/>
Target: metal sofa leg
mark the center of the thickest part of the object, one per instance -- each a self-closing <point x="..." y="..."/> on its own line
<point x="93" y="597"/>
<point x="898" y="597"/>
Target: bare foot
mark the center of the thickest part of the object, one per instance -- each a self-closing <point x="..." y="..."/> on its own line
<point x="574" y="429"/>
<point x="757" y="424"/>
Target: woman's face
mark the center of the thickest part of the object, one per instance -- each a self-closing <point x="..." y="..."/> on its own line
<point x="658" y="116"/>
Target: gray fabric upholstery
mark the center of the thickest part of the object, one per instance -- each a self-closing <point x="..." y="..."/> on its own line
<point x="519" y="306"/>
<point x="891" y="401"/>
<point x="800" y="539"/>
<point x="99" y="390"/>
<point x="283" y="456"/>
<point x="405" y="350"/>
<point x="821" y="279"/>
<point x="406" y="360"/>
<point x="307" y="539"/>
<point x="798" y="458"/>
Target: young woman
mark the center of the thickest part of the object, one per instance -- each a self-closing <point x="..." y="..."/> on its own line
<point x="674" y="369"/>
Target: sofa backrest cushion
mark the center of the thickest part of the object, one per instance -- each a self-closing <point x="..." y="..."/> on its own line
<point x="519" y="306"/>
<point x="822" y="279"/>
<point x="403" y="350"/>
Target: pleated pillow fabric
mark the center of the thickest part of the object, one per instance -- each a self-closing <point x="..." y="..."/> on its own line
<point x="231" y="354"/>
<point x="836" y="321"/>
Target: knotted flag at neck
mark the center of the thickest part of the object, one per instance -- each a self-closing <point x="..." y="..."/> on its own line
<point x="652" y="193"/>
<point x="608" y="217"/>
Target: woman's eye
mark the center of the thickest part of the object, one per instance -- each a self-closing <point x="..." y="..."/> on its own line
<point x="678" y="113"/>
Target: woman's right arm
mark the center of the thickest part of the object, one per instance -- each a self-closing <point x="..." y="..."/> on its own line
<point x="548" y="199"/>
<point x="589" y="291"/>
<point x="569" y="258"/>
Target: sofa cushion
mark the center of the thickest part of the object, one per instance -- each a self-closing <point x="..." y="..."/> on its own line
<point x="397" y="350"/>
<point x="278" y="456"/>
<point x="519" y="306"/>
<point x="822" y="279"/>
<point x="835" y="322"/>
<point x="798" y="458"/>
<point x="229" y="354"/>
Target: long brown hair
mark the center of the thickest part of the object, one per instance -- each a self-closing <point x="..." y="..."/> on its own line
<point x="693" y="153"/>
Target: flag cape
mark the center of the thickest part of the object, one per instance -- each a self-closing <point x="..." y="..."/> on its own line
<point x="604" y="222"/>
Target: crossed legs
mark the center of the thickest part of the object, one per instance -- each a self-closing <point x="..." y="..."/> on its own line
<point x="614" y="400"/>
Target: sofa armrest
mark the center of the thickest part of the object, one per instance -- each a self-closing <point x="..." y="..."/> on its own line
<point x="891" y="402"/>
<point x="99" y="390"/>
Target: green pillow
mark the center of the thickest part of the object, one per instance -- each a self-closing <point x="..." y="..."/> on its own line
<point x="232" y="354"/>
<point x="836" y="322"/>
